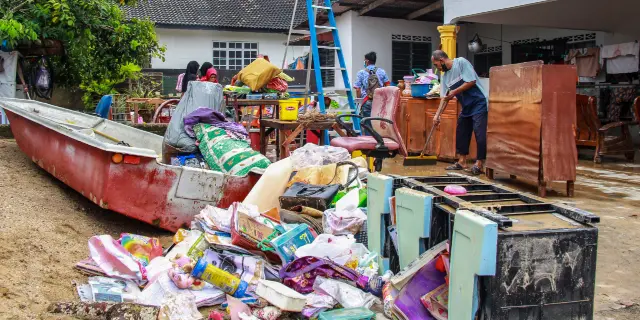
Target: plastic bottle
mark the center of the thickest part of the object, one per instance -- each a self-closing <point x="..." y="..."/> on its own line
<point x="220" y="278"/>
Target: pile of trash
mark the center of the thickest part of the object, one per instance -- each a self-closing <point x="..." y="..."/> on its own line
<point x="296" y="248"/>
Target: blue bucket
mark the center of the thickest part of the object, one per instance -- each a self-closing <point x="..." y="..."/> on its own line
<point x="420" y="90"/>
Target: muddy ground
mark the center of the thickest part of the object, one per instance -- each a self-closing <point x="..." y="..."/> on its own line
<point x="44" y="228"/>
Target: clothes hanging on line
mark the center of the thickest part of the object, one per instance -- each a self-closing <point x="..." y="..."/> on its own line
<point x="587" y="61"/>
<point x="621" y="58"/>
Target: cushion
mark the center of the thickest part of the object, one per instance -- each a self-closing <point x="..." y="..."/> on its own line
<point x="362" y="143"/>
<point x="386" y="102"/>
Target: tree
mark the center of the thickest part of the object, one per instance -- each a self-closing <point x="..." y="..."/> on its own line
<point x="102" y="47"/>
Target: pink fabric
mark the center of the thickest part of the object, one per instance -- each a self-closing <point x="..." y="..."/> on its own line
<point x="210" y="72"/>
<point x="362" y="143"/>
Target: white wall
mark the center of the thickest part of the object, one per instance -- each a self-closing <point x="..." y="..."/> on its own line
<point x="374" y="34"/>
<point x="454" y="9"/>
<point x="186" y="45"/>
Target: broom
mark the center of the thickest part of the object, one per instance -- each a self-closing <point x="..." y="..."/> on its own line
<point x="422" y="159"/>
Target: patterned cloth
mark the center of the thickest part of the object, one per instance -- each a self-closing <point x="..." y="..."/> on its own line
<point x="215" y="118"/>
<point x="278" y="84"/>
<point x="362" y="79"/>
<point x="619" y="97"/>
<point x="222" y="153"/>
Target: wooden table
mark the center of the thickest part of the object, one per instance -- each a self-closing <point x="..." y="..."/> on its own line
<point x="135" y="102"/>
<point x="287" y="132"/>
<point x="238" y="104"/>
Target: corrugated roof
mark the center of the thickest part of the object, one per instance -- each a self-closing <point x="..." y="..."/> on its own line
<point x="273" y="15"/>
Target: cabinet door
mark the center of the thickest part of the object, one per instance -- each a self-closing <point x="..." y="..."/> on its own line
<point x="416" y="125"/>
<point x="447" y="136"/>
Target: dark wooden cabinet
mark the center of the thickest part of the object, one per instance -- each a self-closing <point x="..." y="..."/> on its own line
<point x="416" y="117"/>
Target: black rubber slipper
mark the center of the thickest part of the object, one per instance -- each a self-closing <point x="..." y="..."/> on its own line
<point x="455" y="166"/>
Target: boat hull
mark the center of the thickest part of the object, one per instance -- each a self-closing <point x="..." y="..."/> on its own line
<point x="144" y="189"/>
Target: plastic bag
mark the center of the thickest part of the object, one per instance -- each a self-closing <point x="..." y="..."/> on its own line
<point x="199" y="95"/>
<point x="334" y="248"/>
<point x="313" y="155"/>
<point x="343" y="222"/>
<point x="143" y="249"/>
<point x="115" y="260"/>
<point x="347" y="295"/>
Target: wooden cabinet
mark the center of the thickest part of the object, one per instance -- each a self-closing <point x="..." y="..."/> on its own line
<point x="531" y="123"/>
<point x="417" y="119"/>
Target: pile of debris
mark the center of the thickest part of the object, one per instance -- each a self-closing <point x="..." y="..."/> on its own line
<point x="294" y="249"/>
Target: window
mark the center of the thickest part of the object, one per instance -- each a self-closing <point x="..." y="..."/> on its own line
<point x="233" y="55"/>
<point x="328" y="59"/>
<point x="484" y="60"/>
<point x="408" y="55"/>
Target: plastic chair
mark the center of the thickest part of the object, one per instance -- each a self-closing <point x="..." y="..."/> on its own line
<point x="384" y="140"/>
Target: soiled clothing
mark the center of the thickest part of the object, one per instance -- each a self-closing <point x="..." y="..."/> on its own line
<point x="474" y="100"/>
<point x="619" y="97"/>
<point x="468" y="125"/>
<point x="621" y="58"/>
<point x="587" y="61"/>
<point x="216" y="119"/>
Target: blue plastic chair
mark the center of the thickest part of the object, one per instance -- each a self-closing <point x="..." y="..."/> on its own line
<point x="104" y="106"/>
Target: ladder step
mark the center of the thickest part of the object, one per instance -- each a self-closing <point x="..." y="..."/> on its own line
<point x="326" y="27"/>
<point x="329" y="48"/>
<point x="332" y="68"/>
<point x="335" y="89"/>
<point x="321" y="7"/>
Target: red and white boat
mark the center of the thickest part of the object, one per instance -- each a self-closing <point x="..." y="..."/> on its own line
<point x="82" y="151"/>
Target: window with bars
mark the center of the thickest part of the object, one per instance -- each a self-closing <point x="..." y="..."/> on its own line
<point x="407" y="55"/>
<point x="328" y="59"/>
<point x="233" y="55"/>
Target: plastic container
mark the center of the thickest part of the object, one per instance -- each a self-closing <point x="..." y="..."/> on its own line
<point x="348" y="314"/>
<point x="254" y="96"/>
<point x="420" y="90"/>
<point x="281" y="296"/>
<point x="289" y="109"/>
<point x="220" y="278"/>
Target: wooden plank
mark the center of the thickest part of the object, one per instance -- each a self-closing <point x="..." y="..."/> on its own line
<point x="430" y="8"/>
<point x="373" y="5"/>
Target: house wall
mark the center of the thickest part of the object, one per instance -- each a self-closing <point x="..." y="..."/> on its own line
<point x="513" y="33"/>
<point x="374" y="34"/>
<point x="186" y="45"/>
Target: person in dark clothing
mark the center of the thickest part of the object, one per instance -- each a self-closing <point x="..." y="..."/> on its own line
<point x="460" y="80"/>
<point x="191" y="74"/>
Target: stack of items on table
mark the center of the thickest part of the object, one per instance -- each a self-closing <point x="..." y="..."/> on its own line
<point x="260" y="80"/>
<point x="200" y="136"/>
<point x="295" y="248"/>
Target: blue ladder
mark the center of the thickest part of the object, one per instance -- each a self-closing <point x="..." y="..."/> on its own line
<point x="313" y="28"/>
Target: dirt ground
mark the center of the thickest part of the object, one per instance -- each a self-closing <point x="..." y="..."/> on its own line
<point x="44" y="228"/>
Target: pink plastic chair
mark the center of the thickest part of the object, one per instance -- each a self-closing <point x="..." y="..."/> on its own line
<point x="384" y="140"/>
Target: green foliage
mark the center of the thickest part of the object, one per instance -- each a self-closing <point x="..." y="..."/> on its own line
<point x="102" y="48"/>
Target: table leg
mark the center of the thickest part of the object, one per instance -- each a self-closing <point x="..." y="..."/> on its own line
<point x="135" y="113"/>
<point x="489" y="173"/>
<point x="264" y="140"/>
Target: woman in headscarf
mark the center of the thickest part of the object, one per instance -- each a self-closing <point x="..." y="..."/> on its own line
<point x="210" y="76"/>
<point x="190" y="74"/>
<point x="204" y="68"/>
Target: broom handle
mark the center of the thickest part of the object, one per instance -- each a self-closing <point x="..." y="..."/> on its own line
<point x="442" y="102"/>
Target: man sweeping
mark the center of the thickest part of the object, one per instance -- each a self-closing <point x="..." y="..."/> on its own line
<point x="460" y="80"/>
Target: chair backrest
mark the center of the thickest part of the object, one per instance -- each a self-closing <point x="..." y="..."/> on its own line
<point x="386" y="102"/>
<point x="104" y="106"/>
<point x="587" y="123"/>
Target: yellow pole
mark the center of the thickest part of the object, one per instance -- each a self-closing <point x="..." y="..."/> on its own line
<point x="448" y="37"/>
